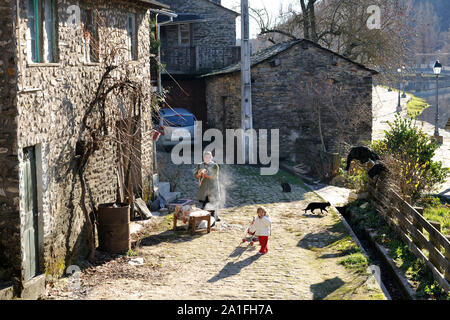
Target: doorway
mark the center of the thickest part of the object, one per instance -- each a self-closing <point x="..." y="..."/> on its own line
<point x="31" y="213"/>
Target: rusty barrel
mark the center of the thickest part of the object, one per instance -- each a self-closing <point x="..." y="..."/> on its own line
<point x="114" y="227"/>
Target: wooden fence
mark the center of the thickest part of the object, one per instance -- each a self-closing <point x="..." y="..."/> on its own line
<point x="430" y="246"/>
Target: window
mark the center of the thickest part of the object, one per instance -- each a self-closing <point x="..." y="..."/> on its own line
<point x="90" y="37"/>
<point x="132" y="41"/>
<point x="184" y="35"/>
<point x="41" y="31"/>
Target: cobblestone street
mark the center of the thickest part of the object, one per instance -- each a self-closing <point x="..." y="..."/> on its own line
<point x="302" y="262"/>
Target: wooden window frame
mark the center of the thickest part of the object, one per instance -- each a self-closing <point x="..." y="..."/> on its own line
<point x="91" y="53"/>
<point x="39" y="16"/>
<point x="180" y="38"/>
<point x="132" y="37"/>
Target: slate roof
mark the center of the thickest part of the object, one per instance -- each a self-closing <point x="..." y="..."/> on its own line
<point x="273" y="51"/>
<point x="152" y="3"/>
<point x="181" y="18"/>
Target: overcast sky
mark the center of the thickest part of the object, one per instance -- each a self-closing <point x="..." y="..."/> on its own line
<point x="273" y="7"/>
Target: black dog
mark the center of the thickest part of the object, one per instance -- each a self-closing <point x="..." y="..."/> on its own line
<point x="286" y="187"/>
<point x="362" y="154"/>
<point x="376" y="170"/>
<point x="317" y="205"/>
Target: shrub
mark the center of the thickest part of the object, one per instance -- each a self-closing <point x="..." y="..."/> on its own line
<point x="408" y="152"/>
<point x="355" y="177"/>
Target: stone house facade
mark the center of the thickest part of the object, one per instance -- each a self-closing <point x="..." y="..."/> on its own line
<point x="47" y="76"/>
<point x="200" y="39"/>
<point x="291" y="83"/>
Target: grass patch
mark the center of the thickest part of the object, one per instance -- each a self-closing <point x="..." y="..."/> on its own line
<point x="437" y="210"/>
<point x="355" y="261"/>
<point x="346" y="246"/>
<point x="415" y="106"/>
<point x="131" y="253"/>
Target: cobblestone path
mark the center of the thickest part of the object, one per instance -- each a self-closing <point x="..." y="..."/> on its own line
<point x="302" y="262"/>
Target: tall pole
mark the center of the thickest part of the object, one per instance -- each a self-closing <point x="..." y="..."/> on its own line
<point x="399" y="107"/>
<point x="246" y="90"/>
<point x="436" y="128"/>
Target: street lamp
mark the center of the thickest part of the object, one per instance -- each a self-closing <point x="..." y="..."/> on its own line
<point x="404" y="85"/>
<point x="437" y="68"/>
<point x="399" y="108"/>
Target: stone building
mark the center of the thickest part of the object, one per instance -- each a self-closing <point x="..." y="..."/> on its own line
<point x="291" y="83"/>
<point x="47" y="75"/>
<point x="200" y="39"/>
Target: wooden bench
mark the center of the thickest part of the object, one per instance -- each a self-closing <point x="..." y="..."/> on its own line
<point x="193" y="218"/>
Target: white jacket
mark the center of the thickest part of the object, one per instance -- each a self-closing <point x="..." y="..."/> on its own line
<point x="261" y="226"/>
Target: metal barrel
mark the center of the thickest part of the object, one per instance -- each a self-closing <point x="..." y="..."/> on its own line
<point x="114" y="227"/>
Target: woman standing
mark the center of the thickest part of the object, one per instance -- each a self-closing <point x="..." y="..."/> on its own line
<point x="207" y="174"/>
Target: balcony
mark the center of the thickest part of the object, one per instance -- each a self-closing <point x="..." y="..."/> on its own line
<point x="198" y="60"/>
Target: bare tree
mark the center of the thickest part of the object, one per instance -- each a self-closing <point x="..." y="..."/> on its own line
<point x="112" y="115"/>
<point x="341" y="26"/>
<point x="426" y="32"/>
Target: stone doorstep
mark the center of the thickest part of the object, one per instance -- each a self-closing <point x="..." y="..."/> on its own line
<point x="7" y="292"/>
<point x="34" y="289"/>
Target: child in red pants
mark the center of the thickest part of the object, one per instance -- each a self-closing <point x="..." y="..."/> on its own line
<point x="262" y="228"/>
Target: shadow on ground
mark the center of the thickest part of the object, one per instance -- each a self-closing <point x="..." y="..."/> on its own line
<point x="234" y="268"/>
<point x="325" y="288"/>
<point x="170" y="236"/>
<point x="312" y="215"/>
<point x="324" y="238"/>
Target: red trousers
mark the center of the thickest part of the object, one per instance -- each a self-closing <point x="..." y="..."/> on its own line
<point x="263" y="242"/>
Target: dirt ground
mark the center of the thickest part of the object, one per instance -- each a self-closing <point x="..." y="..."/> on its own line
<point x="302" y="262"/>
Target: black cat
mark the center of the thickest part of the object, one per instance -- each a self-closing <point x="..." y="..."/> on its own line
<point x="362" y="154"/>
<point x="317" y="205"/>
<point x="376" y="170"/>
<point x="286" y="187"/>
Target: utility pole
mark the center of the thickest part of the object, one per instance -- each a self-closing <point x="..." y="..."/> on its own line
<point x="246" y="83"/>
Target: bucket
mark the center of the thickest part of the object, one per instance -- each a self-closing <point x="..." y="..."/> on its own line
<point x="114" y="227"/>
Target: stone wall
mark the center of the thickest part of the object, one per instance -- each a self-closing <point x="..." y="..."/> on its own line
<point x="9" y="189"/>
<point x="220" y="28"/>
<point x="49" y="111"/>
<point x="282" y="99"/>
<point x="214" y="38"/>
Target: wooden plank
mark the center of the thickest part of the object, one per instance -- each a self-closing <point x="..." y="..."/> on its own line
<point x="418" y="227"/>
<point x="433" y="256"/>
<point x="447" y="272"/>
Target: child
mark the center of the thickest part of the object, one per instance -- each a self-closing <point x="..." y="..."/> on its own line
<point x="262" y="227"/>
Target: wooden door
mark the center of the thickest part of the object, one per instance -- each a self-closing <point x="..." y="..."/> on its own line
<point x="31" y="213"/>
